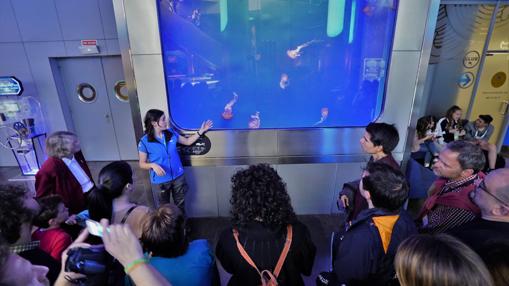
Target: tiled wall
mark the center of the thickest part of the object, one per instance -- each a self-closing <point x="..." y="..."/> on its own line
<point x="33" y="31"/>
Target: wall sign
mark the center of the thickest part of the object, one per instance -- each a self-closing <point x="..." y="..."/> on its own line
<point x="471" y="59"/>
<point x="10" y="85"/>
<point x="200" y="147"/>
<point x="466" y="80"/>
<point x="374" y="69"/>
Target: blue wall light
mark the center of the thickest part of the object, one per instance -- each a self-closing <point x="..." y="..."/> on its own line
<point x="335" y="17"/>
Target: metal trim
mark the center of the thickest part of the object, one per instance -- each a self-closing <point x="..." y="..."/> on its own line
<point x="419" y="104"/>
<point x="127" y="63"/>
<point x="86" y="99"/>
<point x="279" y="160"/>
<point x="130" y="79"/>
<point x="118" y="91"/>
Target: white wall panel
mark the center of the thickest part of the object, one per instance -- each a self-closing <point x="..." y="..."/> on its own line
<point x="400" y="91"/>
<point x="310" y="186"/>
<point x="148" y="70"/>
<point x="13" y="62"/>
<point x="143" y="27"/>
<point x="223" y="175"/>
<point x="79" y="19"/>
<point x="8" y="26"/>
<point x="201" y="199"/>
<point x="410" y="24"/>
<point x="108" y="19"/>
<point x="37" y="20"/>
<point x="38" y="57"/>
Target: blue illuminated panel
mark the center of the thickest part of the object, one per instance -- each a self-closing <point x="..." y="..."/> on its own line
<point x="276" y="64"/>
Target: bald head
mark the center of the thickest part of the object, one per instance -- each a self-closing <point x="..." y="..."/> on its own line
<point x="499" y="183"/>
<point x="492" y="195"/>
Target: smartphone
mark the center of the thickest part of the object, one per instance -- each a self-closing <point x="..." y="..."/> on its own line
<point x="94" y="228"/>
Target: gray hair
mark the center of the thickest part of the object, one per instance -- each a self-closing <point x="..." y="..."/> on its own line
<point x="470" y="155"/>
<point x="61" y="144"/>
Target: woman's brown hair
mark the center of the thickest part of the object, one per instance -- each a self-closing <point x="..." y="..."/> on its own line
<point x="164" y="232"/>
<point x="425" y="260"/>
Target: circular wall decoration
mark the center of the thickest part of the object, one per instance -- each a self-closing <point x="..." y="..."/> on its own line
<point x="121" y="91"/>
<point x="498" y="79"/>
<point x="471" y="59"/>
<point x="86" y="92"/>
<point x="466" y="80"/>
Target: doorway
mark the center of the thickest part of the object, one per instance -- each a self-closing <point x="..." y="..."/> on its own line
<point x="93" y="89"/>
<point x="469" y="63"/>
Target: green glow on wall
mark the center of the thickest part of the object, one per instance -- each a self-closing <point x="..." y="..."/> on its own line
<point x="352" y="22"/>
<point x="223" y="14"/>
<point x="335" y="17"/>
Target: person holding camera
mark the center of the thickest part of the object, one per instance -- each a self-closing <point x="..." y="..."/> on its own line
<point x="121" y="243"/>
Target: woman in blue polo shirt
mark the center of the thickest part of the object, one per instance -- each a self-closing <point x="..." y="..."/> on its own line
<point x="158" y="153"/>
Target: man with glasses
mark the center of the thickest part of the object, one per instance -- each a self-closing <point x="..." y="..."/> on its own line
<point x="492" y="197"/>
<point x="449" y="204"/>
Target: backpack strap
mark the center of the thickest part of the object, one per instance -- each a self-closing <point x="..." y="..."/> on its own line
<point x="286" y="249"/>
<point x="282" y="257"/>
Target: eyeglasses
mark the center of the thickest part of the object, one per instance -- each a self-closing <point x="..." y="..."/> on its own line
<point x="481" y="185"/>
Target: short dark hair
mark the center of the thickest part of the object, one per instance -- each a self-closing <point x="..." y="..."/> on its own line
<point x="486" y="118"/>
<point x="164" y="232"/>
<point x="470" y="155"/>
<point x="259" y="194"/>
<point x="13" y="212"/>
<point x="49" y="210"/>
<point x="387" y="186"/>
<point x="383" y="134"/>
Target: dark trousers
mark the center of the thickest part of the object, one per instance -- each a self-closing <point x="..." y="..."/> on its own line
<point x="176" y="188"/>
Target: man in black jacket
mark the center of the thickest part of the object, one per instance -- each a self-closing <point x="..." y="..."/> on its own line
<point x="364" y="254"/>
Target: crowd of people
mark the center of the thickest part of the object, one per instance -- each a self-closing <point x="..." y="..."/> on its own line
<point x="459" y="237"/>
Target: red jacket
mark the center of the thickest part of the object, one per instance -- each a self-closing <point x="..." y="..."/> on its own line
<point x="54" y="177"/>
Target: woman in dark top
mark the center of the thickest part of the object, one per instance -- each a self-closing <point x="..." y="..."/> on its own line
<point x="261" y="211"/>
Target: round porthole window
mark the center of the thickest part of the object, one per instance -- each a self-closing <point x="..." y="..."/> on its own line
<point x="121" y="91"/>
<point x="86" y="92"/>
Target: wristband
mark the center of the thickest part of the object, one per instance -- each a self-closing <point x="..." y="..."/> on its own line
<point x="134" y="264"/>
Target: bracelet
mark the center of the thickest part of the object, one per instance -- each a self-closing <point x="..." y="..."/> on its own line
<point x="134" y="264"/>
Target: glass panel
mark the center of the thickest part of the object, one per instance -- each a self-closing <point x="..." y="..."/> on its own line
<point x="276" y="64"/>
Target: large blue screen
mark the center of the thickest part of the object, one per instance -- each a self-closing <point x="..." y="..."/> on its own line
<point x="276" y="63"/>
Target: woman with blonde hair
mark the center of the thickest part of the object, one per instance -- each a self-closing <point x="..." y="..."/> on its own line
<point x="425" y="260"/>
<point x="65" y="172"/>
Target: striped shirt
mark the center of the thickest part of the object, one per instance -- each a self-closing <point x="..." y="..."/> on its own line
<point x="442" y="218"/>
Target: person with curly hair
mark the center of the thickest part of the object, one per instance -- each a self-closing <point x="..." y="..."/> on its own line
<point x="17" y="211"/>
<point x="263" y="219"/>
